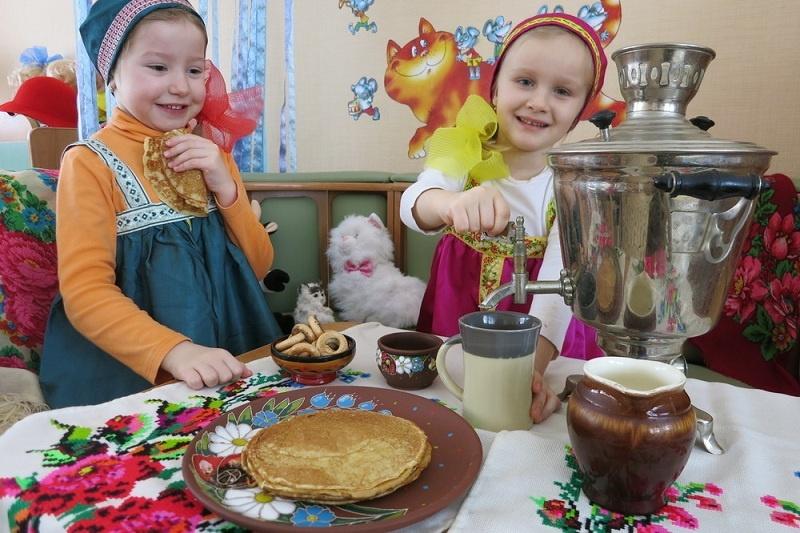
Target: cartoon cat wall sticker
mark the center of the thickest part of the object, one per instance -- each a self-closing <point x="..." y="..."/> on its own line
<point x="434" y="72"/>
<point x="426" y="75"/>
<point x="359" y="9"/>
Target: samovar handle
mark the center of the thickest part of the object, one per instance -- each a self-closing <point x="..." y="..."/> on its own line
<point x="710" y="184"/>
<point x="715" y="235"/>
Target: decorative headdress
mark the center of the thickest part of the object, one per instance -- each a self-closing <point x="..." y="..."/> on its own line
<point x="573" y="25"/>
<point x="110" y="21"/>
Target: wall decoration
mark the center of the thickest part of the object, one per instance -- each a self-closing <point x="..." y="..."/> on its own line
<point x="364" y="91"/>
<point x="359" y="9"/>
<point x="495" y="30"/>
<point x="435" y="72"/>
<point x="426" y="75"/>
<point x="466" y="39"/>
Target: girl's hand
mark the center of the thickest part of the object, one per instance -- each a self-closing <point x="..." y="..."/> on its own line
<point x="477" y="210"/>
<point x="545" y="402"/>
<point x="200" y="366"/>
<point x="187" y="152"/>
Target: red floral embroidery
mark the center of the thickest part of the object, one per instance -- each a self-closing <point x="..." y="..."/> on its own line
<point x="90" y="480"/>
<point x="788" y="513"/>
<point x="747" y="289"/>
<point x="174" y="511"/>
<point x="12" y="362"/>
<point x="9" y="488"/>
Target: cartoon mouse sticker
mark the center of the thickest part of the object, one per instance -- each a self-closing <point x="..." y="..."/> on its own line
<point x="364" y="91"/>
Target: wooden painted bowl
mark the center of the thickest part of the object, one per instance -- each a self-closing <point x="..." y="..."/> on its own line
<point x="313" y="370"/>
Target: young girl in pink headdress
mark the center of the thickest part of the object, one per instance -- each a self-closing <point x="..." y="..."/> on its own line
<point x="491" y="168"/>
<point x="150" y="290"/>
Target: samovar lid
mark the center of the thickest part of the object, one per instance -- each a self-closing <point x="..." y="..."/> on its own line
<point x="657" y="81"/>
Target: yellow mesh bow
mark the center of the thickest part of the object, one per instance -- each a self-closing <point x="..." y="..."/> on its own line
<point x="459" y="150"/>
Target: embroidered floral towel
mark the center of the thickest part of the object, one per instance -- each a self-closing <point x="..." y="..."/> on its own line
<point x="95" y="468"/>
<point x="530" y="480"/>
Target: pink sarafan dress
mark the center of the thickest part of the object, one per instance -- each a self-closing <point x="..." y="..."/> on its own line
<point x="466" y="268"/>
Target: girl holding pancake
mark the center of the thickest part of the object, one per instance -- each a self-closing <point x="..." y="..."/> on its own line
<point x="159" y="252"/>
<point x="490" y="168"/>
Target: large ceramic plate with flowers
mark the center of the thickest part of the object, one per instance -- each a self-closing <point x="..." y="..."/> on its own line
<point x="213" y="471"/>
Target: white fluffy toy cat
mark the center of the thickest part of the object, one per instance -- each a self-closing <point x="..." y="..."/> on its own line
<point x="366" y="286"/>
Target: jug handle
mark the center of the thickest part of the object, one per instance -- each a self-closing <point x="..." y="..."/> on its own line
<point x="715" y="237"/>
<point x="441" y="367"/>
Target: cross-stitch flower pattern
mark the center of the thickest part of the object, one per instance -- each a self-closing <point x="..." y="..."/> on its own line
<point x="564" y="512"/>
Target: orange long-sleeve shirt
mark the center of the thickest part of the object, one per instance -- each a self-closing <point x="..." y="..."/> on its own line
<point x="88" y="200"/>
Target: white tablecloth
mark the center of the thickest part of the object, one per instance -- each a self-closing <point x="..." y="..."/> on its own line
<point x="528" y="481"/>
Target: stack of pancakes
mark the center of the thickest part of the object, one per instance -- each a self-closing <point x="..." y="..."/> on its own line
<point x="337" y="456"/>
<point x="185" y="191"/>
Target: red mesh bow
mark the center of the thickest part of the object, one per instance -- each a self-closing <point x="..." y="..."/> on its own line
<point x="227" y="117"/>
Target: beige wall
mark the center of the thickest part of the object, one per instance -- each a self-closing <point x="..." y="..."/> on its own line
<point x="750" y="90"/>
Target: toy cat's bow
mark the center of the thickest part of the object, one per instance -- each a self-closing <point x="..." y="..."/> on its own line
<point x="365" y="267"/>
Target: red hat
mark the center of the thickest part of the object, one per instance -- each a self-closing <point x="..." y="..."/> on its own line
<point x="572" y="24"/>
<point x="47" y="100"/>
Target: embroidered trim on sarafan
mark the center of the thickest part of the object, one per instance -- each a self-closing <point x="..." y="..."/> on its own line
<point x="141" y="212"/>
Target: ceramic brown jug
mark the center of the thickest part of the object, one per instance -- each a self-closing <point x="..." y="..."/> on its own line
<point x="632" y="428"/>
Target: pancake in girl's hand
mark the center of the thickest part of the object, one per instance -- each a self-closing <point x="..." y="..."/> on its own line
<point x="185" y="191"/>
<point x="337" y="456"/>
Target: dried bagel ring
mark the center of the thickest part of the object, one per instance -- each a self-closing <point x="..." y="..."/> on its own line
<point x="313" y="323"/>
<point x="290" y="341"/>
<point x="331" y="343"/>
<point x="302" y="348"/>
<point x="309" y="335"/>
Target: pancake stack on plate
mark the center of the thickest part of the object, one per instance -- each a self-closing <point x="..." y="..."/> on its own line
<point x="337" y="456"/>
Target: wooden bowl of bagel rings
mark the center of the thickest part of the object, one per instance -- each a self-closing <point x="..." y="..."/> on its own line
<point x="311" y="355"/>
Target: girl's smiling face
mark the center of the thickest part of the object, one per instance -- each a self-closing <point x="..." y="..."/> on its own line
<point x="160" y="75"/>
<point x="541" y="88"/>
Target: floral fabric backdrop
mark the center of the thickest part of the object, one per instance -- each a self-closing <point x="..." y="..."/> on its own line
<point x="28" y="279"/>
<point x="756" y="338"/>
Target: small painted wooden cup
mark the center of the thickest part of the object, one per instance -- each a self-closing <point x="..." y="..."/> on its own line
<point x="407" y="359"/>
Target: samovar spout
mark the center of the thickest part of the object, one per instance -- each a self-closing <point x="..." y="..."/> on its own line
<point x="519" y="285"/>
